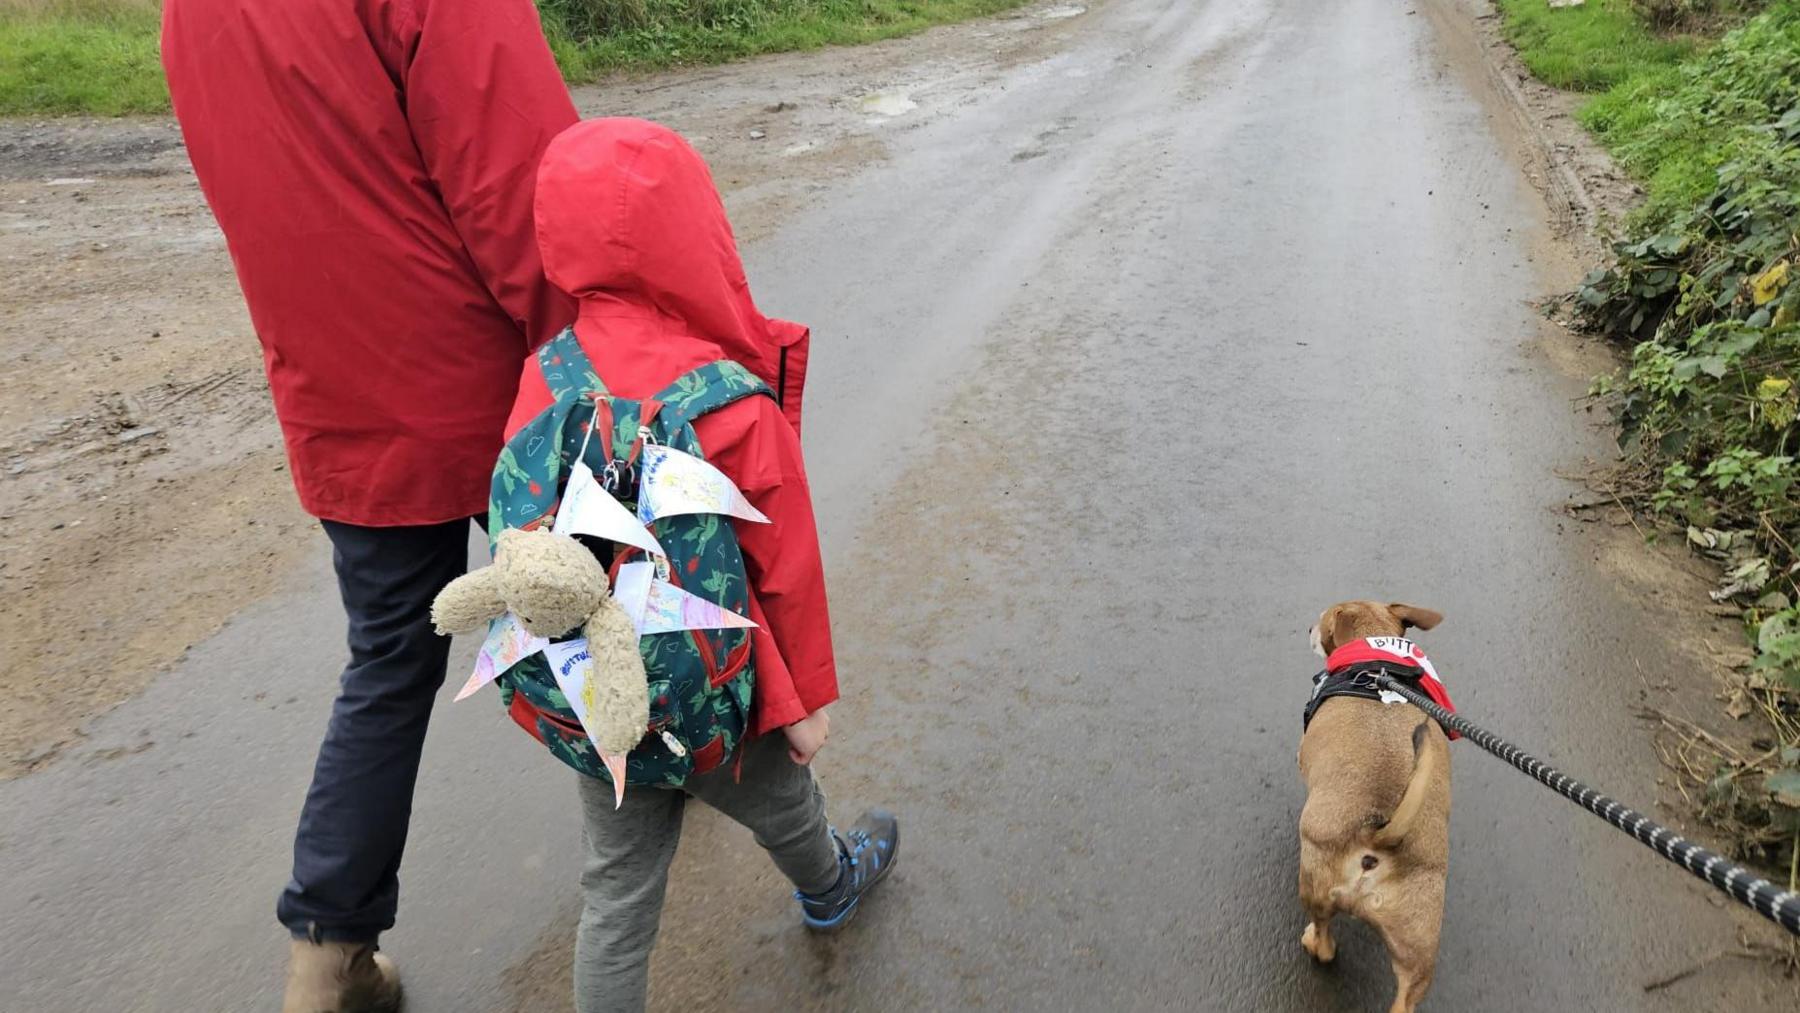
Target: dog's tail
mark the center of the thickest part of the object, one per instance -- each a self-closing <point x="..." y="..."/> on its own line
<point x="1425" y="763"/>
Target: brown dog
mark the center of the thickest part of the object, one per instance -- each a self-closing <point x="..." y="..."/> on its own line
<point x="1375" y="832"/>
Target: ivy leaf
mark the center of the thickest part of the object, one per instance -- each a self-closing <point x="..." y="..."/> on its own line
<point x="1737" y="342"/>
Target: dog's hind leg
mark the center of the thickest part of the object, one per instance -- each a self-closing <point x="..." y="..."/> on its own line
<point x="1410" y="931"/>
<point x="1316" y="938"/>
<point x="1316" y="897"/>
<point x="1413" y="980"/>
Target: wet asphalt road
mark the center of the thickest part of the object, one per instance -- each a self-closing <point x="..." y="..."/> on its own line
<point x="1125" y="367"/>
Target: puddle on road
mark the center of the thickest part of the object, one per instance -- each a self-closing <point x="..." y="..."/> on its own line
<point x="889" y="104"/>
<point x="1067" y="11"/>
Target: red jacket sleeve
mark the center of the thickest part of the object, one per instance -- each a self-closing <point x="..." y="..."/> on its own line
<point x="483" y="97"/>
<point x="796" y="672"/>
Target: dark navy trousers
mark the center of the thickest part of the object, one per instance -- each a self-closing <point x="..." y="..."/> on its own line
<point x="346" y="884"/>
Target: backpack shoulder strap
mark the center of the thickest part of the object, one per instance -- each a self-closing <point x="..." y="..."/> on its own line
<point x="707" y="389"/>
<point x="528" y="473"/>
<point x="566" y="367"/>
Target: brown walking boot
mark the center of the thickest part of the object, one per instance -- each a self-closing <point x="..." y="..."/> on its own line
<point x="340" y="978"/>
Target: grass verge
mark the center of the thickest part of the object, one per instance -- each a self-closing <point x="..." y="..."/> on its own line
<point x="1601" y="44"/>
<point x="99" y="57"/>
<point x="593" y="37"/>
<point x="59" y="57"/>
<point x="1704" y="289"/>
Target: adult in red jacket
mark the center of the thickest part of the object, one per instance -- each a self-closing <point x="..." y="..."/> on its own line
<point x="371" y="166"/>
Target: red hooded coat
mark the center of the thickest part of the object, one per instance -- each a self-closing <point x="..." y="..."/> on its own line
<point x="629" y="222"/>
<point x="370" y="163"/>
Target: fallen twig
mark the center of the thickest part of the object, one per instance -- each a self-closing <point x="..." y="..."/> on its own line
<point x="1744" y="953"/>
<point x="1682" y="975"/>
<point x="1629" y="515"/>
<point x="1687" y="727"/>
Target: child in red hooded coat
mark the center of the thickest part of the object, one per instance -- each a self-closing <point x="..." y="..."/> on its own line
<point x="630" y="224"/>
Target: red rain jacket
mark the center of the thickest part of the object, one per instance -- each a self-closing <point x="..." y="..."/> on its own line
<point x="629" y="223"/>
<point x="371" y="164"/>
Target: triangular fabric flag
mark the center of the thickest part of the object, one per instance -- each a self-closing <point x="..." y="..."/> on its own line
<point x="573" y="668"/>
<point x="678" y="483"/>
<point x="670" y="609"/>
<point x="506" y="645"/>
<point x="631" y="589"/>
<point x="657" y="606"/>
<point x="588" y="509"/>
<point x="615" y="765"/>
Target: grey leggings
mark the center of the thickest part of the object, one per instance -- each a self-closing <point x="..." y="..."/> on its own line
<point x="628" y="855"/>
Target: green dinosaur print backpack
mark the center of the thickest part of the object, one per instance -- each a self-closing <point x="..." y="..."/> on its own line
<point x="700" y="679"/>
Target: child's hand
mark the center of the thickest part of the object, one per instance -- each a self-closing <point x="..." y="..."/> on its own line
<point x="807" y="736"/>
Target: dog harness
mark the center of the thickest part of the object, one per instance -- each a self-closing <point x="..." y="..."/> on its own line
<point x="1352" y="668"/>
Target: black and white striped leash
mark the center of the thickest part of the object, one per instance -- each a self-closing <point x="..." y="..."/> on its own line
<point x="1779" y="906"/>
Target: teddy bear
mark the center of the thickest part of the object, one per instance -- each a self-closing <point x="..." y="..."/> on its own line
<point x="554" y="585"/>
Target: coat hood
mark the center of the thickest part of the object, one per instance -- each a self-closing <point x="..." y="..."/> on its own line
<point x="630" y="223"/>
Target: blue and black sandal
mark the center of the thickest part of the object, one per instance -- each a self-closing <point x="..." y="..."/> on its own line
<point x="865" y="855"/>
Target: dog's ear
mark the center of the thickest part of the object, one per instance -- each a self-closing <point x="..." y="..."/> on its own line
<point x="1412" y="615"/>
<point x="1337" y="627"/>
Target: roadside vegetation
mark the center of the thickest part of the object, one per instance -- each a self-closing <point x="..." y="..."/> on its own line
<point x="593" y="37"/>
<point x="80" y="56"/>
<point x="1701" y="103"/>
<point x="99" y="57"/>
<point x="1593" y="47"/>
